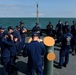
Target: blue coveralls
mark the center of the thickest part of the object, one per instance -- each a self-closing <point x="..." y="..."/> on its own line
<point x="73" y="31"/>
<point x="74" y="45"/>
<point x="34" y="50"/>
<point x="16" y="32"/>
<point x="65" y="27"/>
<point x="50" y="30"/>
<point x="5" y="54"/>
<point x="12" y="55"/>
<point x="23" y="36"/>
<point x="59" y="29"/>
<point x="1" y="36"/>
<point x="19" y="46"/>
<point x="35" y="29"/>
<point x="65" y="48"/>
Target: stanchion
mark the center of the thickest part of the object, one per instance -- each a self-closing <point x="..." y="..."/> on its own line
<point x="50" y="56"/>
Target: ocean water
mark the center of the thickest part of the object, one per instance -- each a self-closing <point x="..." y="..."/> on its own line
<point x="30" y="22"/>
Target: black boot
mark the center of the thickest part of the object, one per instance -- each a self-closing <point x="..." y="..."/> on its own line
<point x="14" y="67"/>
<point x="64" y="65"/>
<point x="60" y="66"/>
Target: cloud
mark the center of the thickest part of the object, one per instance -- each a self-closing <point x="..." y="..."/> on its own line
<point x="15" y="6"/>
<point x="14" y="10"/>
<point x="60" y="13"/>
<point x="18" y="10"/>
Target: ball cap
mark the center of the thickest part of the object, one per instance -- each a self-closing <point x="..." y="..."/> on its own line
<point x="35" y="34"/>
<point x="10" y="27"/>
<point x="6" y="33"/>
<point x="2" y="28"/>
<point x="21" y="22"/>
<point x="17" y="26"/>
<point x="36" y="23"/>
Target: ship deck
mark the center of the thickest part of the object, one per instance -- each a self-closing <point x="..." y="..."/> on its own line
<point x="21" y="63"/>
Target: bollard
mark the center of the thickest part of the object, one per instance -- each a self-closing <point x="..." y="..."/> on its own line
<point x="50" y="56"/>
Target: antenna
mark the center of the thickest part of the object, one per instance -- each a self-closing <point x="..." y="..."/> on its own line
<point x="37" y="13"/>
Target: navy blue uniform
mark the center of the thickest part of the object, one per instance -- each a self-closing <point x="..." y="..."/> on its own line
<point x="37" y="29"/>
<point x="34" y="50"/>
<point x="65" y="27"/>
<point x="16" y="32"/>
<point x="1" y="36"/>
<point x="5" y="54"/>
<point x="12" y="54"/>
<point x="23" y="35"/>
<point x="59" y="31"/>
<point x="50" y="30"/>
<point x="18" y="46"/>
<point x="73" y="31"/>
<point x="74" y="42"/>
<point x="65" y="48"/>
<point x="74" y="45"/>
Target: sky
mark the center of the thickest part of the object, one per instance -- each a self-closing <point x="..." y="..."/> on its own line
<point x="47" y="8"/>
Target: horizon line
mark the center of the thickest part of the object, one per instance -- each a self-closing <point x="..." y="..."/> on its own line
<point x="39" y="17"/>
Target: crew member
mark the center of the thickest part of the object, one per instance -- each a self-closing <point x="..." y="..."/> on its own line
<point x="59" y="30"/>
<point x="34" y="50"/>
<point x="1" y="35"/>
<point x="17" y="32"/>
<point x="5" y="52"/>
<point x="66" y="26"/>
<point x="74" y="39"/>
<point x="36" y="29"/>
<point x="65" y="48"/>
<point x="50" y="30"/>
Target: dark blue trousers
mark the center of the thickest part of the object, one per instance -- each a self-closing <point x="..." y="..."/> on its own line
<point x="64" y="56"/>
<point x="38" y="70"/>
<point x="12" y="60"/>
<point x="6" y="64"/>
<point x="23" y="41"/>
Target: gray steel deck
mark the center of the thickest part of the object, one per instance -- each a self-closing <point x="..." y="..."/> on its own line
<point x="22" y="65"/>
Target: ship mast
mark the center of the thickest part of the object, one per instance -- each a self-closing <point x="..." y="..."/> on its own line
<point x="37" y="14"/>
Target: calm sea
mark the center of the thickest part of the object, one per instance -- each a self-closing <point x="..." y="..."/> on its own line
<point x="30" y="22"/>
